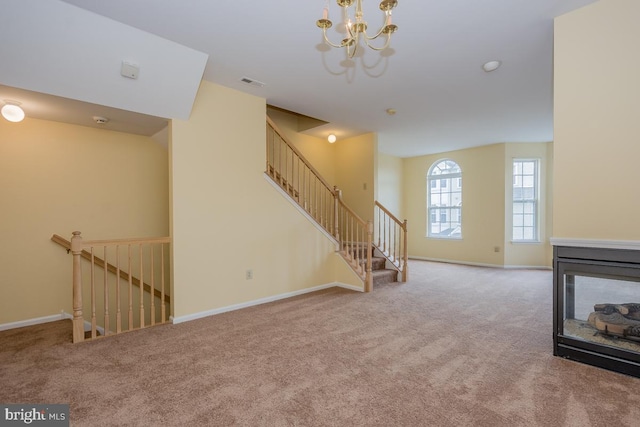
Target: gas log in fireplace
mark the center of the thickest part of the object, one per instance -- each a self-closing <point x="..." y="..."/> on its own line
<point x="596" y="307"/>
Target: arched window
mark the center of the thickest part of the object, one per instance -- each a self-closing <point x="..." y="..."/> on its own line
<point x="444" y="200"/>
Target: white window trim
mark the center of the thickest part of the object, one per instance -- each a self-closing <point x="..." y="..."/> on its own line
<point x="537" y="240"/>
<point x="451" y="177"/>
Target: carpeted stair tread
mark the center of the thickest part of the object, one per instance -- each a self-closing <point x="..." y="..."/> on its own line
<point x="378" y="263"/>
<point x="381" y="277"/>
<point x="381" y="274"/>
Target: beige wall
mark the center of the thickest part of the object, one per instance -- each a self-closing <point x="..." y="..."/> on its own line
<point x="227" y="218"/>
<point x="486" y="207"/>
<point x="529" y="254"/>
<point x="389" y="186"/>
<point x="483" y="195"/>
<point x="56" y="178"/>
<point x="355" y="172"/>
<point x="596" y="125"/>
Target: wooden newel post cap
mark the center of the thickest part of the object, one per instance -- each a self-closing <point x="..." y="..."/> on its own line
<point x="76" y="243"/>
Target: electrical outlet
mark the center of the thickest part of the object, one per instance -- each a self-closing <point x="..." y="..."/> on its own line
<point x="249" y="274"/>
<point x="496" y="249"/>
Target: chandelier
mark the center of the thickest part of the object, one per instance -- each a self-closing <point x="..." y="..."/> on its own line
<point x="356" y="29"/>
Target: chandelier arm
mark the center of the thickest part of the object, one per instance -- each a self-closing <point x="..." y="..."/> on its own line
<point x="378" y="34"/>
<point x="324" y="33"/>
<point x="351" y="53"/>
<point x="386" y="43"/>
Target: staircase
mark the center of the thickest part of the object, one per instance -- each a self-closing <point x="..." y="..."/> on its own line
<point x="369" y="247"/>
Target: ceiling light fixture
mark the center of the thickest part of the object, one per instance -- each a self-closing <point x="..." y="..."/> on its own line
<point x="331" y="139"/>
<point x="12" y="111"/>
<point x="358" y="26"/>
<point x="491" y="66"/>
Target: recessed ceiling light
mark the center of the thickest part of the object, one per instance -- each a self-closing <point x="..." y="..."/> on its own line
<point x="491" y="66"/>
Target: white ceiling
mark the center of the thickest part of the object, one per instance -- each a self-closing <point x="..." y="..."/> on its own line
<point x="432" y="74"/>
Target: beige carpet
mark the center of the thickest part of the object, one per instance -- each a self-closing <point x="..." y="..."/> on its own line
<point x="455" y="346"/>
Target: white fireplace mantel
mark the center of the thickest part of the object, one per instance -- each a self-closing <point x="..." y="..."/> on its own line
<point x="632" y="245"/>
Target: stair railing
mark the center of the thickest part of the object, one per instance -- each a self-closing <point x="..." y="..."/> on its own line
<point x="298" y="178"/>
<point x="390" y="238"/>
<point x="356" y="241"/>
<point x="144" y="258"/>
<point x="288" y="168"/>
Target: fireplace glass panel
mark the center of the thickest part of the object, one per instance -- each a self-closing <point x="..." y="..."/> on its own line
<point x="603" y="311"/>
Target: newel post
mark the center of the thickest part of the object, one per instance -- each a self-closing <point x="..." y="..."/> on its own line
<point x="78" y="321"/>
<point x="369" y="276"/>
<point x="336" y="198"/>
<point x="405" y="252"/>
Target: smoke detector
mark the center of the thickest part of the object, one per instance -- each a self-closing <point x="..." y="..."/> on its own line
<point x="100" y="120"/>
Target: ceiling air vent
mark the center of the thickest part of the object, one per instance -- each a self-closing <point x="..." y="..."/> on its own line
<point x="251" y="82"/>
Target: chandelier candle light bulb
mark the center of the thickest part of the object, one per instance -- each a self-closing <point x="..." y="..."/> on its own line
<point x="357" y="29"/>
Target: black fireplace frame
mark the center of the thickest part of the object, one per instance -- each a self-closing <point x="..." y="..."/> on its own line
<point x="594" y="262"/>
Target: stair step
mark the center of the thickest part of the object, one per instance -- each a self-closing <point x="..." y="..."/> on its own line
<point x="377" y="263"/>
<point x="381" y="274"/>
<point x="381" y="277"/>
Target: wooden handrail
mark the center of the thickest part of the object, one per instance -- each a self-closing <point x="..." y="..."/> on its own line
<point x="392" y="216"/>
<point x="299" y="154"/>
<point x="111" y="268"/>
<point x="352" y="213"/>
<point x="391" y="243"/>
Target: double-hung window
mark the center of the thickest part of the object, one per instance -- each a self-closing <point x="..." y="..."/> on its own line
<point x="525" y="200"/>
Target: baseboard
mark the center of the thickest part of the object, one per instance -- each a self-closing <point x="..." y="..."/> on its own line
<point x="527" y="267"/>
<point x="213" y="312"/>
<point x="480" y="264"/>
<point x="349" y="287"/>
<point x="46" y="319"/>
<point x="35" y="321"/>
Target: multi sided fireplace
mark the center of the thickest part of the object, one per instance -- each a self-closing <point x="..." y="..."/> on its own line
<point x="596" y="307"/>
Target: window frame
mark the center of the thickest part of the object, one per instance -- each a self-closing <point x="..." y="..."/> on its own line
<point x="519" y="179"/>
<point x="452" y="192"/>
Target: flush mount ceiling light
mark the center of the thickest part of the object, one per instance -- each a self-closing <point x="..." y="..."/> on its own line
<point x="391" y="111"/>
<point x="491" y="66"/>
<point x="331" y="139"/>
<point x="12" y="111"/>
<point x="357" y="28"/>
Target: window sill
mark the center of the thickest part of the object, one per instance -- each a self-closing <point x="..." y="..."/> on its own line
<point x="526" y="242"/>
<point x="455" y="239"/>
